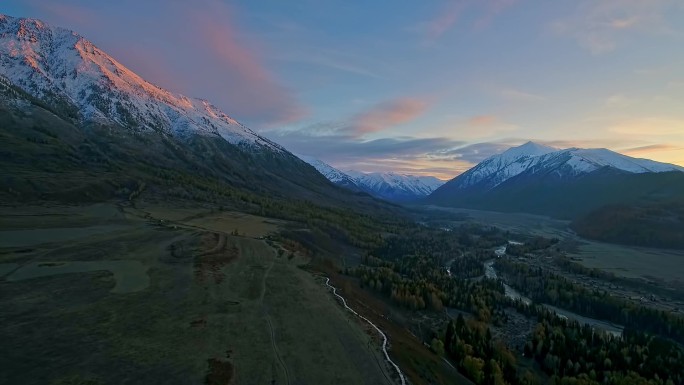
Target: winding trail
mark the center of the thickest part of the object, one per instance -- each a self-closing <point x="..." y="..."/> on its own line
<point x="384" y="337"/>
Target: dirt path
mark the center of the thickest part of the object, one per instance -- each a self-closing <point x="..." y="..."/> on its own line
<point x="270" y="324"/>
<point x="275" y="350"/>
<point x="384" y="337"/>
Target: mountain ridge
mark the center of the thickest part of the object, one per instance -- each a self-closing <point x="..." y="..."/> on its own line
<point x="390" y="186"/>
<point x="57" y="64"/>
<point x="77" y="126"/>
<point x="557" y="182"/>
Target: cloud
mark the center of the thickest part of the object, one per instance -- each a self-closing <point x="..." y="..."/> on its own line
<point x="662" y="152"/>
<point x="343" y="149"/>
<point x="195" y="48"/>
<point x="650" y="126"/>
<point x="482" y="120"/>
<point x="624" y="23"/>
<point x="386" y="115"/>
<point x="476" y="127"/>
<point x="472" y="153"/>
<point x="446" y="19"/>
<point x="517" y="95"/>
<point x="338" y="60"/>
<point x="600" y="26"/>
<point x="652" y="147"/>
<point x="452" y="11"/>
<point x="619" y="100"/>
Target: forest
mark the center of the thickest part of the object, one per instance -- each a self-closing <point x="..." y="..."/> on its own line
<point x="410" y="271"/>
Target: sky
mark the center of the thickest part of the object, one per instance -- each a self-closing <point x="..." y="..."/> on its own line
<point x="419" y="87"/>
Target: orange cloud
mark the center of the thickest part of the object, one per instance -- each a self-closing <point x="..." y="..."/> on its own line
<point x="660" y="152"/>
<point x="482" y="120"/>
<point x="388" y="114"/>
<point x="624" y="23"/>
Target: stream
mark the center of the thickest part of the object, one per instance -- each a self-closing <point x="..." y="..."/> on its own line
<point x="384" y="337"/>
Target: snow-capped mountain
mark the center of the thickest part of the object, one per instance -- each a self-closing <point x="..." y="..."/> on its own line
<point x="561" y="182"/>
<point x="61" y="67"/>
<point x="331" y="173"/>
<point x="532" y="158"/>
<point x="397" y="187"/>
<point x="498" y="168"/>
<point x="69" y="107"/>
<point x="390" y="186"/>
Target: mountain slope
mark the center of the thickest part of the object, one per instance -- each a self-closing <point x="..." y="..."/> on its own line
<point x="60" y="66"/>
<point x="78" y="126"/>
<point x="332" y="174"/>
<point x="565" y="183"/>
<point x="659" y="224"/>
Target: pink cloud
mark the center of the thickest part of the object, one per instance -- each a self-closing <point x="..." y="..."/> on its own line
<point x="388" y="114"/>
<point x="259" y="89"/>
<point x="482" y="120"/>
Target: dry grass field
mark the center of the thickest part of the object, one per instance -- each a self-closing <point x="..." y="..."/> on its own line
<point x="109" y="295"/>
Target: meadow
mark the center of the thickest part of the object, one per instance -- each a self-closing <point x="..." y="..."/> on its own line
<point x="205" y="306"/>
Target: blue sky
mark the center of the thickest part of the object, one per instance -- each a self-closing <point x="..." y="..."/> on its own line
<point x="427" y="87"/>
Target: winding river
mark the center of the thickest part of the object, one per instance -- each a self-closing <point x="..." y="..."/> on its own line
<point x="615" y="330"/>
<point x="509" y="291"/>
<point x="384" y="337"/>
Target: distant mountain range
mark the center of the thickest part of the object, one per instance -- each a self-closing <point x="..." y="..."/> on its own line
<point x="560" y="182"/>
<point x="77" y="125"/>
<point x="389" y="186"/>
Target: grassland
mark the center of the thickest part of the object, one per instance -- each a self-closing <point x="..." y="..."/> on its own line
<point x="216" y="308"/>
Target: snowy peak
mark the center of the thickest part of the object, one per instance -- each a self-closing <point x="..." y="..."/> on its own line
<point x="63" y="68"/>
<point x="498" y="168"/>
<point x="529" y="149"/>
<point x="531" y="158"/>
<point x="390" y="186"/>
<point x="397" y="183"/>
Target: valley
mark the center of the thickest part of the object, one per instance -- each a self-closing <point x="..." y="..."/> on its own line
<point x="656" y="266"/>
<point x="149" y="237"/>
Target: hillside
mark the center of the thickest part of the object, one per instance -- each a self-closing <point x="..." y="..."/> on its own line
<point x="639" y="224"/>
<point x="79" y="126"/>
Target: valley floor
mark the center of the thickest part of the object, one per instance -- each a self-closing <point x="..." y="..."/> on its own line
<point x="661" y="268"/>
<point x="138" y="295"/>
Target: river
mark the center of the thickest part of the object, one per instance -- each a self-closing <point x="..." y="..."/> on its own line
<point x="490" y="272"/>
